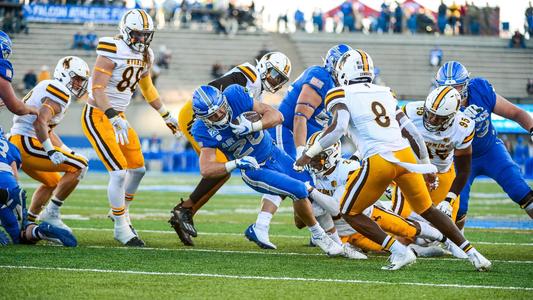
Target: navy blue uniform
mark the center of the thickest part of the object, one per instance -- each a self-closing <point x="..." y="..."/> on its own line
<point x="321" y="81"/>
<point x="489" y="155"/>
<point x="276" y="175"/>
<point x="6" y="70"/>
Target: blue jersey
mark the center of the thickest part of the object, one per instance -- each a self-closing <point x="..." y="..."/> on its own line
<point x="8" y="154"/>
<point x="257" y="144"/>
<point x="482" y="94"/>
<point x="6" y="70"/>
<point x="321" y="81"/>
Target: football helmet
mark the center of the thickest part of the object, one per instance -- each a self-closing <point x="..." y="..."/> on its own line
<point x="74" y="73"/>
<point x="333" y="55"/>
<point x="137" y="29"/>
<point x="354" y="66"/>
<point x="5" y="45"/>
<point x="274" y="69"/>
<point x="440" y="108"/>
<point x="211" y="106"/>
<point x="455" y="74"/>
<point x="326" y="159"/>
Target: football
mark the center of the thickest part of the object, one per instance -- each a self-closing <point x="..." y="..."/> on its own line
<point x="252" y="116"/>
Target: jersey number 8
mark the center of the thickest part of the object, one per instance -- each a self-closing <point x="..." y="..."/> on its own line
<point x="381" y="114"/>
<point x="127" y="81"/>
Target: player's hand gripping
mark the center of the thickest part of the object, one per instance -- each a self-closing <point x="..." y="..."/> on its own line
<point x="247" y="163"/>
<point x="243" y="127"/>
<point x="432" y="180"/>
<point x="446" y="207"/>
<point x="472" y="111"/>
<point x="301" y="162"/>
<point x="56" y="157"/>
<point x="172" y="124"/>
<point x="120" y="126"/>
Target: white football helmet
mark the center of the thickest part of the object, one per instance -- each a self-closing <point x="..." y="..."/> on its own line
<point x="326" y="159"/>
<point x="353" y="67"/>
<point x="73" y="72"/>
<point x="440" y="108"/>
<point x="137" y="29"/>
<point x="274" y="69"/>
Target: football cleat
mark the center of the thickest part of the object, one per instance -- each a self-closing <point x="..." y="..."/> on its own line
<point x="328" y="245"/>
<point x="53" y="217"/>
<point x="455" y="250"/>
<point x="56" y="235"/>
<point x="399" y="260"/>
<point x="260" y="237"/>
<point x="427" y="251"/>
<point x="125" y="235"/>
<point x="184" y="237"/>
<point x="351" y="252"/>
<point x="183" y="216"/>
<point x="127" y="217"/>
<point x="135" y="242"/>
<point x="479" y="261"/>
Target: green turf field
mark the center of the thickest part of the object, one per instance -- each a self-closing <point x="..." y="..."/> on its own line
<point x="224" y="265"/>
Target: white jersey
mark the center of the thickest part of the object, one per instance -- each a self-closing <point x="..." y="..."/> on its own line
<point x="253" y="79"/>
<point x="441" y="144"/>
<point x="52" y="90"/>
<point x="373" y="125"/>
<point x="130" y="65"/>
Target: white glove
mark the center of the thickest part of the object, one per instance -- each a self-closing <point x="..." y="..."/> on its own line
<point x="245" y="126"/>
<point x="299" y="151"/>
<point x="472" y="111"/>
<point x="247" y="163"/>
<point x="57" y="157"/>
<point x="79" y="155"/>
<point x="446" y="207"/>
<point x="121" y="129"/>
<point x="172" y="123"/>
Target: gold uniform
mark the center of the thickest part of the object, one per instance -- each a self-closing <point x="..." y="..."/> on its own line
<point x="36" y="162"/>
<point x="130" y="66"/>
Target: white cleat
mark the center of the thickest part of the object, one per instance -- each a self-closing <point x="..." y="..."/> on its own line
<point x="328" y="245"/>
<point x="351" y="252"/>
<point x="53" y="217"/>
<point x="124" y="234"/>
<point x="428" y="251"/>
<point x="126" y="216"/>
<point x="455" y="250"/>
<point x="397" y="261"/>
<point x="479" y="261"/>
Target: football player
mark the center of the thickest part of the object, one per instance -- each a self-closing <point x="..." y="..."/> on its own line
<point x="44" y="155"/>
<point x="270" y="74"/>
<point x="489" y="156"/>
<point x="371" y="115"/>
<point x="222" y="125"/>
<point x="7" y="95"/>
<point x="13" y="214"/>
<point x="303" y="114"/>
<point x="448" y="134"/>
<point x="123" y="63"/>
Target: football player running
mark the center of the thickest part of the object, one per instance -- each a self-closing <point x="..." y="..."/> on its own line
<point x="330" y="174"/>
<point x="303" y="114"/>
<point x="265" y="168"/>
<point x="44" y="155"/>
<point x="489" y="156"/>
<point x="123" y="62"/>
<point x="371" y="115"/>
<point x="270" y="74"/>
<point x="7" y="94"/>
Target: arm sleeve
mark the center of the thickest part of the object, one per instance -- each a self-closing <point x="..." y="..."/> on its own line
<point x="343" y="119"/>
<point x="329" y="203"/>
<point x="225" y="81"/>
<point x="418" y="139"/>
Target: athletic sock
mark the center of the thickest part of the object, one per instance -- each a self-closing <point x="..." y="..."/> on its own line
<point x="429" y="232"/>
<point x="115" y="190"/>
<point x="263" y="219"/>
<point x="128" y="198"/>
<point x="316" y="230"/>
<point x="32" y="217"/>
<point x="468" y="248"/>
<point x="335" y="237"/>
<point x="392" y="245"/>
<point x="55" y="203"/>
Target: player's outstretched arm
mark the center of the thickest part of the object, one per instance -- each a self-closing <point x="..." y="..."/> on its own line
<point x="270" y="116"/>
<point x="12" y="103"/>
<point x="46" y="113"/>
<point x="308" y="101"/>
<point x="416" y="140"/>
<point x="210" y="168"/>
<point x="506" y="109"/>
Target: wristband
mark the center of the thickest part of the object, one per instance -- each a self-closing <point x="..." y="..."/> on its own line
<point x="163" y="111"/>
<point x="230" y="166"/>
<point x="66" y="149"/>
<point x="451" y="195"/>
<point x="314" y="150"/>
<point x="257" y="126"/>
<point x="47" y="145"/>
<point x="110" y="113"/>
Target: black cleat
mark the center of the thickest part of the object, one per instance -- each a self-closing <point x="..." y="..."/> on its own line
<point x="184" y="237"/>
<point x="183" y="216"/>
<point x="135" y="242"/>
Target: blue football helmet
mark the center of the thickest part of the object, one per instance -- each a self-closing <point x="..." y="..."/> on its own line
<point x="211" y="106"/>
<point x="455" y="74"/>
<point x="333" y="55"/>
<point x="5" y="45"/>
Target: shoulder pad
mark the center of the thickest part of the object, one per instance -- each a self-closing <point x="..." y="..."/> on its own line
<point x="59" y="93"/>
<point x="249" y="71"/>
<point x="466" y="128"/>
<point x="333" y="94"/>
<point x="107" y="46"/>
<point x="414" y="109"/>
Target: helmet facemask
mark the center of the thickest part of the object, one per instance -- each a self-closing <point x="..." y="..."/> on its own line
<point x="325" y="160"/>
<point x="218" y="117"/>
<point x="77" y="84"/>
<point x="433" y="122"/>
<point x="138" y="40"/>
<point x="273" y="79"/>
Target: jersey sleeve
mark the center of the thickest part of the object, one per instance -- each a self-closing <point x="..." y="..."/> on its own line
<point x="107" y="47"/>
<point x="484" y="91"/>
<point x="319" y="80"/>
<point x="468" y="128"/>
<point x="6" y="70"/>
<point x="248" y="71"/>
<point x="57" y="93"/>
<point x="225" y="81"/>
<point x="202" y="136"/>
<point x="239" y="99"/>
<point x="334" y="96"/>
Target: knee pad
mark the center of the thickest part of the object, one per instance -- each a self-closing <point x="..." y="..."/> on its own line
<point x="275" y="199"/>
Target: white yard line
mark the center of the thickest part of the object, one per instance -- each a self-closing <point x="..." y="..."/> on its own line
<point x="269" y="278"/>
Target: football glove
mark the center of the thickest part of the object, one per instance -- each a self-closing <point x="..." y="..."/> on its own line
<point x="446" y="207"/>
<point x="56" y="157"/>
<point x="172" y="124"/>
<point x="121" y="129"/>
<point x="245" y="126"/>
<point x="247" y="163"/>
<point x="473" y="111"/>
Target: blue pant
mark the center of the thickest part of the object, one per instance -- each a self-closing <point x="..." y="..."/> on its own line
<point x="498" y="165"/>
<point x="284" y="139"/>
<point x="13" y="214"/>
<point x="277" y="177"/>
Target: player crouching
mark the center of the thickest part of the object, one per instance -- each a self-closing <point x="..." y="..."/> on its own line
<point x="43" y="153"/>
<point x="13" y="214"/>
